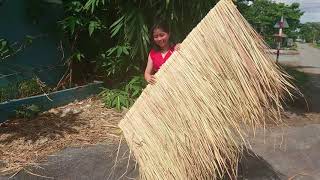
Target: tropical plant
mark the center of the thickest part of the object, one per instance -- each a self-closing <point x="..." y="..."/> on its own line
<point x="125" y="96"/>
<point x="116" y="98"/>
<point x="8" y="92"/>
<point x="116" y="61"/>
<point x="23" y="88"/>
<point x="27" y="111"/>
<point x="135" y="86"/>
<point x="5" y="49"/>
<point x="29" y="87"/>
<point x="8" y="49"/>
<point x="81" y="29"/>
<point x="115" y="34"/>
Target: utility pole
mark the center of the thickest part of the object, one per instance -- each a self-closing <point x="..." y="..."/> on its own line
<point x="281" y="25"/>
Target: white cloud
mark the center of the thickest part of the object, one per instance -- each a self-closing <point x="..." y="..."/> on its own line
<point x="310" y="7"/>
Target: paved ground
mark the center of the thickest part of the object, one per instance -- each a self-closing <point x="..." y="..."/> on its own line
<point x="308" y="59"/>
<point x="88" y="163"/>
<point x="296" y="155"/>
<point x="297" y="158"/>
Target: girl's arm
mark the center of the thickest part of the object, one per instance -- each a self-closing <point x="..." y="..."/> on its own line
<point x="148" y="76"/>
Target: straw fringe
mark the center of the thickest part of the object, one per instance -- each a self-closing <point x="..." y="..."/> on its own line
<point x="222" y="83"/>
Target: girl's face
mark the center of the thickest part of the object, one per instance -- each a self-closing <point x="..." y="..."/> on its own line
<point x="161" y="38"/>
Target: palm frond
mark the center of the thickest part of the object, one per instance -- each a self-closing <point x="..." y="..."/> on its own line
<point x="222" y="83"/>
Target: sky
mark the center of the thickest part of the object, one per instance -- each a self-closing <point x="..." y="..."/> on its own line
<point x="310" y="7"/>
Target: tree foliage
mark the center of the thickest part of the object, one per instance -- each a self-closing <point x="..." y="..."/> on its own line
<point x="115" y="33"/>
<point x="310" y="31"/>
<point x="264" y="14"/>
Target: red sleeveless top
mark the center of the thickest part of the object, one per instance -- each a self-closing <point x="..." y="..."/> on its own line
<point x="157" y="58"/>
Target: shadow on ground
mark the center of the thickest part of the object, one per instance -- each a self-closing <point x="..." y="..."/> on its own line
<point x="89" y="163"/>
<point x="254" y="167"/>
<point x="98" y="163"/>
<point x="310" y="102"/>
<point x="313" y="93"/>
<point x="41" y="127"/>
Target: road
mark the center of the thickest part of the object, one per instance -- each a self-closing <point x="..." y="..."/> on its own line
<point x="308" y="60"/>
<point x="293" y="151"/>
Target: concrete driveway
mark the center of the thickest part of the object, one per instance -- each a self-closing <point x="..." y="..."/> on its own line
<point x="308" y="60"/>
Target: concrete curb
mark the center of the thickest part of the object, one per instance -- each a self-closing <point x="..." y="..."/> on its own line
<point x="59" y="98"/>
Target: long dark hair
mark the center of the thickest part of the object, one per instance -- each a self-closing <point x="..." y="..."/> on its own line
<point x="165" y="27"/>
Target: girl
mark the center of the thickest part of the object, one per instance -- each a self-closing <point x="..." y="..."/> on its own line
<point x="160" y="52"/>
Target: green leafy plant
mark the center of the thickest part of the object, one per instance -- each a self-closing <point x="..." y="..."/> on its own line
<point x="29" y="87"/>
<point x="8" y="49"/>
<point x="8" y="92"/>
<point x="81" y="29"/>
<point x="116" y="62"/>
<point x="116" y="98"/>
<point x="135" y="86"/>
<point x="79" y="20"/>
<point x="92" y="4"/>
<point x="123" y="97"/>
<point x="5" y="49"/>
<point x="117" y="32"/>
<point x="28" y="111"/>
<point x="70" y="23"/>
<point x="23" y="88"/>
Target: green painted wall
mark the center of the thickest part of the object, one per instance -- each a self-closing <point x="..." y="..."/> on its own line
<point x="19" y="18"/>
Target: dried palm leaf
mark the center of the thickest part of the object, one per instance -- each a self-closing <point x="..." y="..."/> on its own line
<point x="193" y="122"/>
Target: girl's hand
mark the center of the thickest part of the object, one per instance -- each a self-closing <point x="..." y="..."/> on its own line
<point x="177" y="47"/>
<point x="151" y="79"/>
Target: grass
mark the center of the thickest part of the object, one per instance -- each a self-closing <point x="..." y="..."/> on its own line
<point x="315" y="45"/>
<point x="22" y="88"/>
